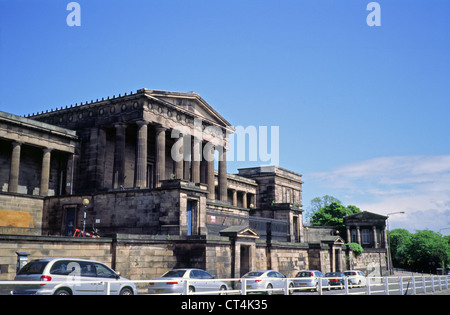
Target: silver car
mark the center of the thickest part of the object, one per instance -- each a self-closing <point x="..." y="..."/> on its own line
<point x="266" y="281"/>
<point x="70" y="276"/>
<point x="173" y="282"/>
<point x="356" y="277"/>
<point x="309" y="279"/>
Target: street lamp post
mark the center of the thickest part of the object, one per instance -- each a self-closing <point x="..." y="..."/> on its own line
<point x="389" y="258"/>
<point x="85" y="204"/>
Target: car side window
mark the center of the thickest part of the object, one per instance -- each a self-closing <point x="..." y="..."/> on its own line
<point x="272" y="274"/>
<point x="104" y="272"/>
<point x="87" y="269"/>
<point x="61" y="268"/>
<point x="205" y="275"/>
<point x="195" y="274"/>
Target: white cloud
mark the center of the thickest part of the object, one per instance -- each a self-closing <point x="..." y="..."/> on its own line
<point x="418" y="185"/>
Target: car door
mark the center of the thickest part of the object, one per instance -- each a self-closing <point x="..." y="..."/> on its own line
<point x="208" y="281"/>
<point x="195" y="280"/>
<point x="106" y="275"/>
<point x="83" y="274"/>
<point x="279" y="279"/>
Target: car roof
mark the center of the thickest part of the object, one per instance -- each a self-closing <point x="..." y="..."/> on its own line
<point x="66" y="258"/>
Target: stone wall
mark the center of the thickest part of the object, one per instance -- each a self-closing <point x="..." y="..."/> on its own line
<point x="20" y="214"/>
<point x="289" y="258"/>
<point x="372" y="262"/>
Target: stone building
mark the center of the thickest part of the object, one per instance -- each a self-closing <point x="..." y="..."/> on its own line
<point x="145" y="161"/>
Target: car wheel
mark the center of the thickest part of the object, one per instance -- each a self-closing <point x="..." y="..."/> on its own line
<point x="291" y="288"/>
<point x="126" y="291"/>
<point x="269" y="287"/>
<point x="63" y="292"/>
<point x="223" y="290"/>
<point x="191" y="290"/>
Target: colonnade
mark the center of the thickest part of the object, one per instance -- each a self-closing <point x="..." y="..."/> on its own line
<point x="194" y="163"/>
<point x="14" y="172"/>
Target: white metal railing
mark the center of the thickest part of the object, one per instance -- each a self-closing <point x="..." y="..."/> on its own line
<point x="372" y="285"/>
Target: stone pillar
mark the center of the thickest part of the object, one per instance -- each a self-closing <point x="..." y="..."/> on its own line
<point x="45" y="172"/>
<point x="13" y="185"/>
<point x="160" y="155"/>
<point x="203" y="164"/>
<point x="195" y="160"/>
<point x="374" y="229"/>
<point x="141" y="154"/>
<point x="358" y="235"/>
<point x="235" y="197"/>
<point x="209" y="156"/>
<point x="178" y="155"/>
<point x="223" y="186"/>
<point x="349" y="235"/>
<point x="119" y="156"/>
<point x="244" y="200"/>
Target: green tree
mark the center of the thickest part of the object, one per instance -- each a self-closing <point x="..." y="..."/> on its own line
<point x="427" y="247"/>
<point x="317" y="203"/>
<point x="400" y="241"/>
<point x="333" y="215"/>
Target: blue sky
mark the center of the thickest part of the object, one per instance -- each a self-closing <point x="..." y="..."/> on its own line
<point x="363" y="112"/>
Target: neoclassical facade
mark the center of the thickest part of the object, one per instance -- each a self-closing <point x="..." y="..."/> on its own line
<point x="153" y="164"/>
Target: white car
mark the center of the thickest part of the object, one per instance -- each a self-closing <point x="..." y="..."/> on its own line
<point x="172" y="282"/>
<point x="261" y="280"/>
<point x="355" y="277"/>
<point x="71" y="276"/>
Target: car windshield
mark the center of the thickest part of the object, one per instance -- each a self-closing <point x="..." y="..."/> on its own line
<point x="304" y="274"/>
<point x="253" y="274"/>
<point x="33" y="268"/>
<point x="333" y="274"/>
<point x="174" y="274"/>
<point x="350" y="273"/>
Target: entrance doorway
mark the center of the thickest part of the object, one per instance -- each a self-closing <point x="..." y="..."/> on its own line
<point x="69" y="226"/>
<point x="245" y="259"/>
<point x="191" y="217"/>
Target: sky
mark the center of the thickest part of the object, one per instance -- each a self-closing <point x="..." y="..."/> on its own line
<point x="362" y="111"/>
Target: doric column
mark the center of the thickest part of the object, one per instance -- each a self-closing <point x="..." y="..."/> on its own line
<point x="349" y="235"/>
<point x="209" y="156"/>
<point x="119" y="156"/>
<point x="160" y="155"/>
<point x="244" y="200"/>
<point x="15" y="167"/>
<point x="141" y="154"/>
<point x="195" y="160"/>
<point x="235" y="197"/>
<point x="178" y="156"/>
<point x="358" y="234"/>
<point x="223" y="193"/>
<point x="374" y="229"/>
<point x="45" y="172"/>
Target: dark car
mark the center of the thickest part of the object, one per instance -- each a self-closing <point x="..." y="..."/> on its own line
<point x="335" y="278"/>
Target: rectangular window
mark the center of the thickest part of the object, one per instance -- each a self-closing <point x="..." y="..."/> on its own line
<point x="354" y="236"/>
<point x="365" y="236"/>
<point x="288" y="196"/>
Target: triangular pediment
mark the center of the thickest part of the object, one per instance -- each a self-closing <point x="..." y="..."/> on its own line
<point x="365" y="215"/>
<point x="239" y="232"/>
<point x="193" y="103"/>
<point x="335" y="240"/>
